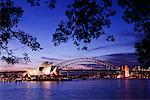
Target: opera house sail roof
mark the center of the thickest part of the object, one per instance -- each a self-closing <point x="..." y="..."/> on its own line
<point x="45" y="68"/>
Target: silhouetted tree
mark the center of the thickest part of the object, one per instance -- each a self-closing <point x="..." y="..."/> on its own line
<point x="143" y="48"/>
<point x="137" y="12"/>
<point x="9" y="17"/>
<point x="85" y="20"/>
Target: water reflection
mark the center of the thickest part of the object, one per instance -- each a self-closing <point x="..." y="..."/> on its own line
<point x="76" y="90"/>
<point x="39" y="90"/>
<point x="127" y="91"/>
<point x="48" y="84"/>
<point x="139" y="88"/>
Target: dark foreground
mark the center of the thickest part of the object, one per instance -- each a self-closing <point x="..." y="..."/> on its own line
<point x="106" y="89"/>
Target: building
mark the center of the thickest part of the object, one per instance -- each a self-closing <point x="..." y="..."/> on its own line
<point x="45" y="68"/>
<point x="127" y="71"/>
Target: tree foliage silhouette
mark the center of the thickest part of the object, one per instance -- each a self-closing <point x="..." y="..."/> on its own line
<point x="143" y="48"/>
<point x="137" y="12"/>
<point x="9" y="17"/>
<point x="85" y="21"/>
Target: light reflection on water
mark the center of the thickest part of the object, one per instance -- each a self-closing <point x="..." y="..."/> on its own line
<point x="76" y="90"/>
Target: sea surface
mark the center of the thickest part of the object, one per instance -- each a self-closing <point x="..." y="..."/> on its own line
<point x="103" y="89"/>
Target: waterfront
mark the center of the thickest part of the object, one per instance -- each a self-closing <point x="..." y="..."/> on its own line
<point x="77" y="90"/>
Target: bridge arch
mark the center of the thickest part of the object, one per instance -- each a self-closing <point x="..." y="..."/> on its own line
<point x="80" y="61"/>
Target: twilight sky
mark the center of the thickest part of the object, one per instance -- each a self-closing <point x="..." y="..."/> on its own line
<point x="41" y="22"/>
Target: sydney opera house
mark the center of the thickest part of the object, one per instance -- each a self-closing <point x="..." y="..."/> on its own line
<point x="45" y="68"/>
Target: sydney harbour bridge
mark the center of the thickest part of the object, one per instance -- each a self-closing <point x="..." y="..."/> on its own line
<point x="86" y="63"/>
<point x="100" y="67"/>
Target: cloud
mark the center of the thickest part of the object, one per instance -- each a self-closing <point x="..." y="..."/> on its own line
<point x="124" y="40"/>
<point x="51" y="59"/>
<point x="111" y="46"/>
<point x="121" y="59"/>
<point x="68" y="56"/>
<point x="132" y="36"/>
<point x="136" y="35"/>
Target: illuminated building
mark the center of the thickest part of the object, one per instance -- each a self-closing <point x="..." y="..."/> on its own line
<point x="127" y="71"/>
<point x="44" y="69"/>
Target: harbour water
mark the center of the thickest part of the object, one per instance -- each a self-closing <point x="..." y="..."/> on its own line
<point x="102" y="89"/>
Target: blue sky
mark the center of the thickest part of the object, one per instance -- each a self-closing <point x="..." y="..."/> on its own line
<point x="41" y="22"/>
